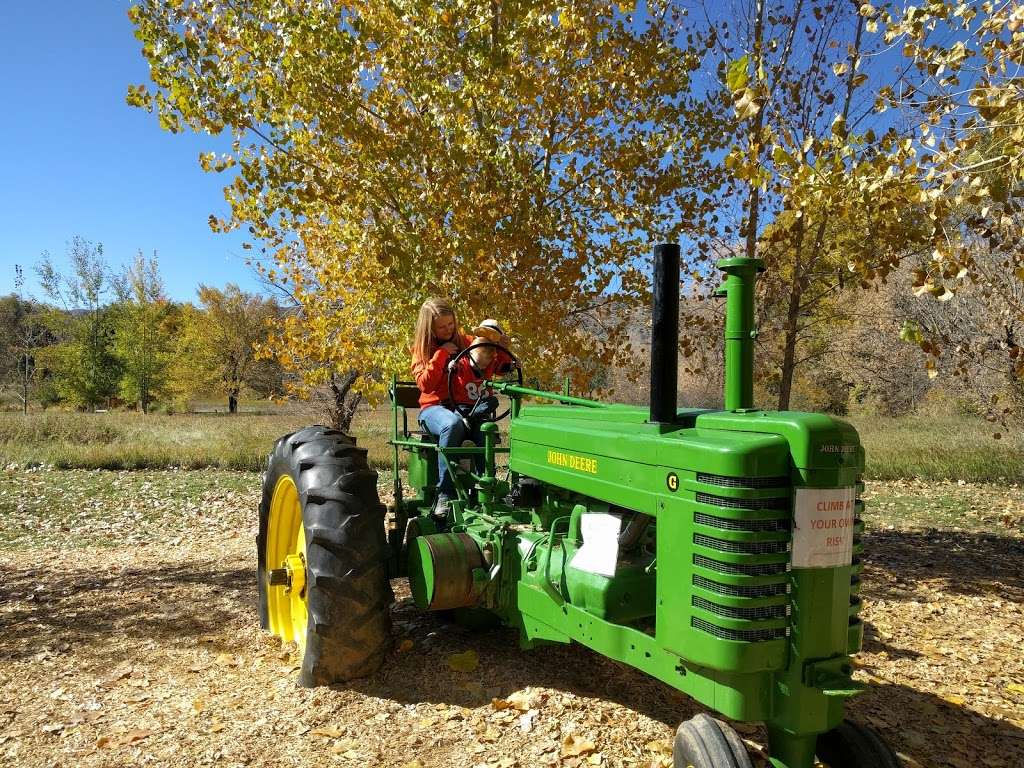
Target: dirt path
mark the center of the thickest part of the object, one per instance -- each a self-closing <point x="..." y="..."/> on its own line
<point x="126" y="648"/>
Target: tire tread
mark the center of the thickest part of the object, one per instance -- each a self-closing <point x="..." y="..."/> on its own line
<point x="348" y="593"/>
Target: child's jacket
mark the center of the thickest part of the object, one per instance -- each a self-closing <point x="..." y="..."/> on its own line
<point x="432" y="377"/>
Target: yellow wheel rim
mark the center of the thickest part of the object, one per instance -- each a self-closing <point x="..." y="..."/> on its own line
<point x="286" y="548"/>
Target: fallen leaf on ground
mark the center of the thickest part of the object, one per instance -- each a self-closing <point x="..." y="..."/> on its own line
<point x="660" y="746"/>
<point x="329" y="732"/>
<point x="124" y="739"/>
<point x="118" y="674"/>
<point x="464" y="662"/>
<point x="344" y="745"/>
<point x="573" y="746"/>
<point x="526" y="721"/>
<point x="520" y="700"/>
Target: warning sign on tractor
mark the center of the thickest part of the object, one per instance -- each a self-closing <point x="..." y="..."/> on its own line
<point x="823" y="527"/>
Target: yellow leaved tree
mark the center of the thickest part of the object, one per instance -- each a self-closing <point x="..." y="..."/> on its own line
<point x="816" y="193"/>
<point x="519" y="157"/>
<point x="965" y="85"/>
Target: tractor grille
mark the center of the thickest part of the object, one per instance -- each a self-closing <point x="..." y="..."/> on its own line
<point x="733" y="503"/>
<point x="741" y="569"/>
<point x="753" y="557"/>
<point x="744" y="635"/>
<point x="730" y="524"/>
<point x="744" y="590"/>
<point x="732" y="612"/>
<point x="744" y="547"/>
<point x="858" y="548"/>
<point x="742" y="482"/>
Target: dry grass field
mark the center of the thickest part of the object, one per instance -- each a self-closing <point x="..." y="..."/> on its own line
<point x="928" y="448"/>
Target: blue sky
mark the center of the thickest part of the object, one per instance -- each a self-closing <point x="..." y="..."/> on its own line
<point x="79" y="161"/>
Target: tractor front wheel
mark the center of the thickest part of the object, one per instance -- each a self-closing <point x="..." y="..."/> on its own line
<point x="704" y="742"/>
<point x="321" y="553"/>
<point x="849" y="745"/>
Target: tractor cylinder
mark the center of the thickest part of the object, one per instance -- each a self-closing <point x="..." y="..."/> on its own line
<point x="446" y="570"/>
<point x="665" y="333"/>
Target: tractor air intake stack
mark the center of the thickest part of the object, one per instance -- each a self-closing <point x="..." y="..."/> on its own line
<point x="740" y="330"/>
<point x="665" y="333"/>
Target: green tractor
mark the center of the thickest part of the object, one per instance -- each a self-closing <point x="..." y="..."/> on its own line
<point x="715" y="550"/>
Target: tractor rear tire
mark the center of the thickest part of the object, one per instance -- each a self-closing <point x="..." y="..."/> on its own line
<point x="850" y="745"/>
<point x="704" y="742"/>
<point x="342" y="622"/>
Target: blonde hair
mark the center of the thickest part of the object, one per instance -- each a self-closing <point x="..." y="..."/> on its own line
<point x="423" y="336"/>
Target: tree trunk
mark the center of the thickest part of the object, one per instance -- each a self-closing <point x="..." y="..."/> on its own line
<point x="754" y="193"/>
<point x="24" y="383"/>
<point x="341" y="409"/>
<point x="802" y="270"/>
<point x="1013" y="380"/>
<point x="789" y="348"/>
<point x="233" y="402"/>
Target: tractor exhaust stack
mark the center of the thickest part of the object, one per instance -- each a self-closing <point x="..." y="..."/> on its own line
<point x="665" y="333"/>
<point x="740" y="330"/>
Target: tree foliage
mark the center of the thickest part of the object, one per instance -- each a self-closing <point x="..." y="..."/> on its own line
<point x="819" y="202"/>
<point x="519" y="157"/>
<point x="142" y="337"/>
<point x="89" y="369"/>
<point x="968" y="159"/>
<point x="216" y="345"/>
<point x="23" y="332"/>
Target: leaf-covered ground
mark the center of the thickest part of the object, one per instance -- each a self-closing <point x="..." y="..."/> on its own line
<point x="128" y="636"/>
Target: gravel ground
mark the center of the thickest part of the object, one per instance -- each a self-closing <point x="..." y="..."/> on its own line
<point x="128" y="636"/>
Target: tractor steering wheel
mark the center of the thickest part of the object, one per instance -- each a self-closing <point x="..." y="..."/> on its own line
<point x="453" y="364"/>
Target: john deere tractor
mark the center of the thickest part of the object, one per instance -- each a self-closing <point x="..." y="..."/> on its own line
<point x="716" y="550"/>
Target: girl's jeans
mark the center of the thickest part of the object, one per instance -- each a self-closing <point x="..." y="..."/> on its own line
<point x="450" y="431"/>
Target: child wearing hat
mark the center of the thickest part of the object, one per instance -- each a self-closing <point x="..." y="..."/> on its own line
<point x="481" y="364"/>
<point x="437" y="340"/>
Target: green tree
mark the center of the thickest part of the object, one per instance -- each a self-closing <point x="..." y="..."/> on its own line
<point x="23" y="332"/>
<point x="86" y="368"/>
<point x="521" y="158"/>
<point x="142" y="340"/>
<point x="217" y="345"/>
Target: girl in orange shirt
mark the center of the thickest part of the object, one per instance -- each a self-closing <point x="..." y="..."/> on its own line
<point x="436" y="340"/>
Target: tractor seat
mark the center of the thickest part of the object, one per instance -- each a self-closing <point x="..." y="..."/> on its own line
<point x="405" y="395"/>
